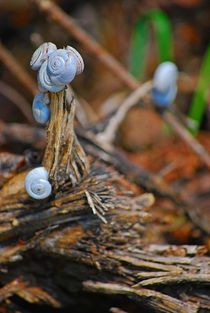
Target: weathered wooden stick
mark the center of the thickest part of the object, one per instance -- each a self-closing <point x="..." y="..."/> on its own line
<point x="17" y="70"/>
<point x="157" y="300"/>
<point x="21" y="103"/>
<point x="64" y="157"/>
<point x="186" y="136"/>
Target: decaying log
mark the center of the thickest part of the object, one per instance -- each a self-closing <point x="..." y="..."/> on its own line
<point x="46" y="246"/>
<point x="86" y="255"/>
<point x="89" y="236"/>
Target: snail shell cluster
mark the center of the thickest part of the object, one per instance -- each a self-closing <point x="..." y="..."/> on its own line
<point x="56" y="67"/>
<point x="164" y="84"/>
<point x="37" y="184"/>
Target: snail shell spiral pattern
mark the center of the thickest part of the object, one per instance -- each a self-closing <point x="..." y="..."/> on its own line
<point x="45" y="81"/>
<point x="41" y="54"/>
<point x="61" y="67"/>
<point x="37" y="184"/>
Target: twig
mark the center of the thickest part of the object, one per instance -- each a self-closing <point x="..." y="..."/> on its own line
<point x="11" y="288"/>
<point x="65" y="21"/>
<point x="64" y="157"/>
<point x="156" y="300"/>
<point x="177" y="279"/>
<point x="21" y="134"/>
<point x="15" y="97"/>
<point x="17" y="71"/>
<point x="109" y="133"/>
<point x="188" y="138"/>
<point x="178" y="250"/>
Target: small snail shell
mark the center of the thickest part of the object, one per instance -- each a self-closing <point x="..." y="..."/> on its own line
<point x="45" y="81"/>
<point x="61" y="67"/>
<point x="164" y="99"/>
<point x="78" y="59"/>
<point x="40" y="109"/>
<point x="41" y="54"/>
<point x="37" y="184"/>
<point x="164" y="84"/>
<point x="165" y="76"/>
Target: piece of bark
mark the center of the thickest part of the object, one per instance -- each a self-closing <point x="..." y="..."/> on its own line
<point x="86" y="255"/>
<point x="62" y="238"/>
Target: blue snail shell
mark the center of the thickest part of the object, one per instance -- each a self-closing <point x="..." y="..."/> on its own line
<point x="61" y="67"/>
<point x="164" y="84"/>
<point x="56" y="67"/>
<point x="45" y="81"/>
<point x="40" y="109"/>
<point x="41" y="54"/>
<point x="164" y="99"/>
<point x="78" y="59"/>
<point x="37" y="184"/>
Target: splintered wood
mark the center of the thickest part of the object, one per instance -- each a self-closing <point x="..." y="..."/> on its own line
<point x="64" y="157"/>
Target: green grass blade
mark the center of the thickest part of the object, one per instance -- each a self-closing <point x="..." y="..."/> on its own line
<point x="140" y="40"/>
<point x="163" y="34"/>
<point x="200" y="96"/>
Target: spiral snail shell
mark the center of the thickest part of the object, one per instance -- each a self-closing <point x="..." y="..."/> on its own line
<point x="61" y="67"/>
<point x="41" y="54"/>
<point x="40" y="109"/>
<point x="78" y="58"/>
<point x="164" y="84"/>
<point x="45" y="81"/>
<point x="37" y="184"/>
<point x="56" y="67"/>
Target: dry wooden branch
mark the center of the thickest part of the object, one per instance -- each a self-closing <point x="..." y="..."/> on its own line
<point x="156" y="300"/>
<point x="16" y="98"/>
<point x="17" y="71"/>
<point x="108" y="135"/>
<point x="21" y="134"/>
<point x="64" y="157"/>
<point x="188" y="138"/>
